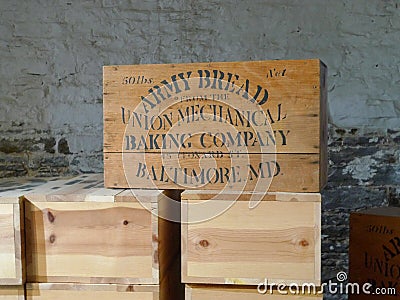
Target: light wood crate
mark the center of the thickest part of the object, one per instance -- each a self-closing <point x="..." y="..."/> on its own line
<point x="12" y="265"/>
<point x="293" y="95"/>
<point x="279" y="240"/>
<point x="78" y="231"/>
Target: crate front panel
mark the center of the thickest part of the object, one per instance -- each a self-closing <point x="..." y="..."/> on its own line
<point x="91" y="242"/>
<point x="277" y="240"/>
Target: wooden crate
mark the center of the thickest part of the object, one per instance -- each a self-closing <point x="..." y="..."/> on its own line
<point x="207" y="292"/>
<point x="279" y="240"/>
<point x="374" y="251"/>
<point x="9" y="292"/>
<point x="73" y="291"/>
<point x="291" y="93"/>
<point x="11" y="229"/>
<point x="11" y="259"/>
<point x="77" y="231"/>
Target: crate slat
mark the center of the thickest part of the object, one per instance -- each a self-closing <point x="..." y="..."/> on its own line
<point x="71" y="291"/>
<point x="207" y="292"/>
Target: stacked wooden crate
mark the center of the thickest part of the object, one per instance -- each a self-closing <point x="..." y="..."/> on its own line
<point x="84" y="241"/>
<point x="227" y="255"/>
<point x="87" y="242"/>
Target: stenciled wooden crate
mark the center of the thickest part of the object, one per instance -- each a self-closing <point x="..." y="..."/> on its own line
<point x="279" y="240"/>
<point x="221" y="292"/>
<point x="74" y="291"/>
<point x="292" y="94"/>
<point x="374" y="252"/>
<point x="78" y="231"/>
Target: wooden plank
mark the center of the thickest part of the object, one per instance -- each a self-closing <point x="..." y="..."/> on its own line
<point x="323" y="126"/>
<point x="374" y="251"/>
<point x="11" y="189"/>
<point x="39" y="193"/>
<point x="11" y="246"/>
<point x="145" y="196"/>
<point x="87" y="187"/>
<point x="12" y="292"/>
<point x="278" y="240"/>
<point x="300" y="141"/>
<point x="72" y="291"/>
<point x="221" y="292"/>
<point x="19" y="242"/>
<point x="318" y="242"/>
<point x="152" y="172"/>
<point x="7" y="245"/>
<point x="298" y="92"/>
<point x="200" y="195"/>
<point x="169" y="254"/>
<point x="294" y="104"/>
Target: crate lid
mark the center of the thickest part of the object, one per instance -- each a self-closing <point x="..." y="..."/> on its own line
<point x="246" y="196"/>
<point x="11" y="189"/>
<point x="387" y="211"/>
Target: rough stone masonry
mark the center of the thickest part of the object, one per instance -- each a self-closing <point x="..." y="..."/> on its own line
<point x="52" y="53"/>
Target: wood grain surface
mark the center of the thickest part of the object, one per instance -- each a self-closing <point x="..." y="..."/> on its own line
<point x="11" y="245"/>
<point x="221" y="292"/>
<point x="79" y="242"/>
<point x="278" y="240"/>
<point x="71" y="291"/>
<point x="296" y="173"/>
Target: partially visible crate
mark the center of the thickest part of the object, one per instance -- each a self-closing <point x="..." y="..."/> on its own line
<point x="279" y="240"/>
<point x="73" y="291"/>
<point x="10" y="292"/>
<point x="374" y="252"/>
<point x="11" y="258"/>
<point x="12" y="252"/>
<point x="78" y="231"/>
<point x="11" y="230"/>
<point x="223" y="292"/>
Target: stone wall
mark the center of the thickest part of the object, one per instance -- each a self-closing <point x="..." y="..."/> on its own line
<point x="52" y="53"/>
<point x="364" y="172"/>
